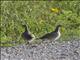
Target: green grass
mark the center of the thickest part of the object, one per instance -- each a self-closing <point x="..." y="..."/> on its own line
<point x="40" y="19"/>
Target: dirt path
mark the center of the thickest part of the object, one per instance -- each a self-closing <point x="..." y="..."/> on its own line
<point x="45" y="51"/>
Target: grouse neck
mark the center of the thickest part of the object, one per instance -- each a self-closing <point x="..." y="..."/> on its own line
<point x="26" y="30"/>
<point x="57" y="29"/>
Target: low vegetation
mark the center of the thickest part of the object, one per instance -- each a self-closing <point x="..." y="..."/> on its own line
<point x="41" y="17"/>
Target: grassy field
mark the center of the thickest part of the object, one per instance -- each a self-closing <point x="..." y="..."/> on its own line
<point x="41" y="18"/>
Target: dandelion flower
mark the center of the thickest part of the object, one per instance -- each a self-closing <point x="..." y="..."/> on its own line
<point x="56" y="10"/>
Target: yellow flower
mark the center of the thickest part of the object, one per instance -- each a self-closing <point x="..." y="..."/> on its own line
<point x="56" y="10"/>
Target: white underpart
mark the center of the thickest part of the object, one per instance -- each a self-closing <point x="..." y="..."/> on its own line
<point x="32" y="38"/>
<point x="59" y="34"/>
